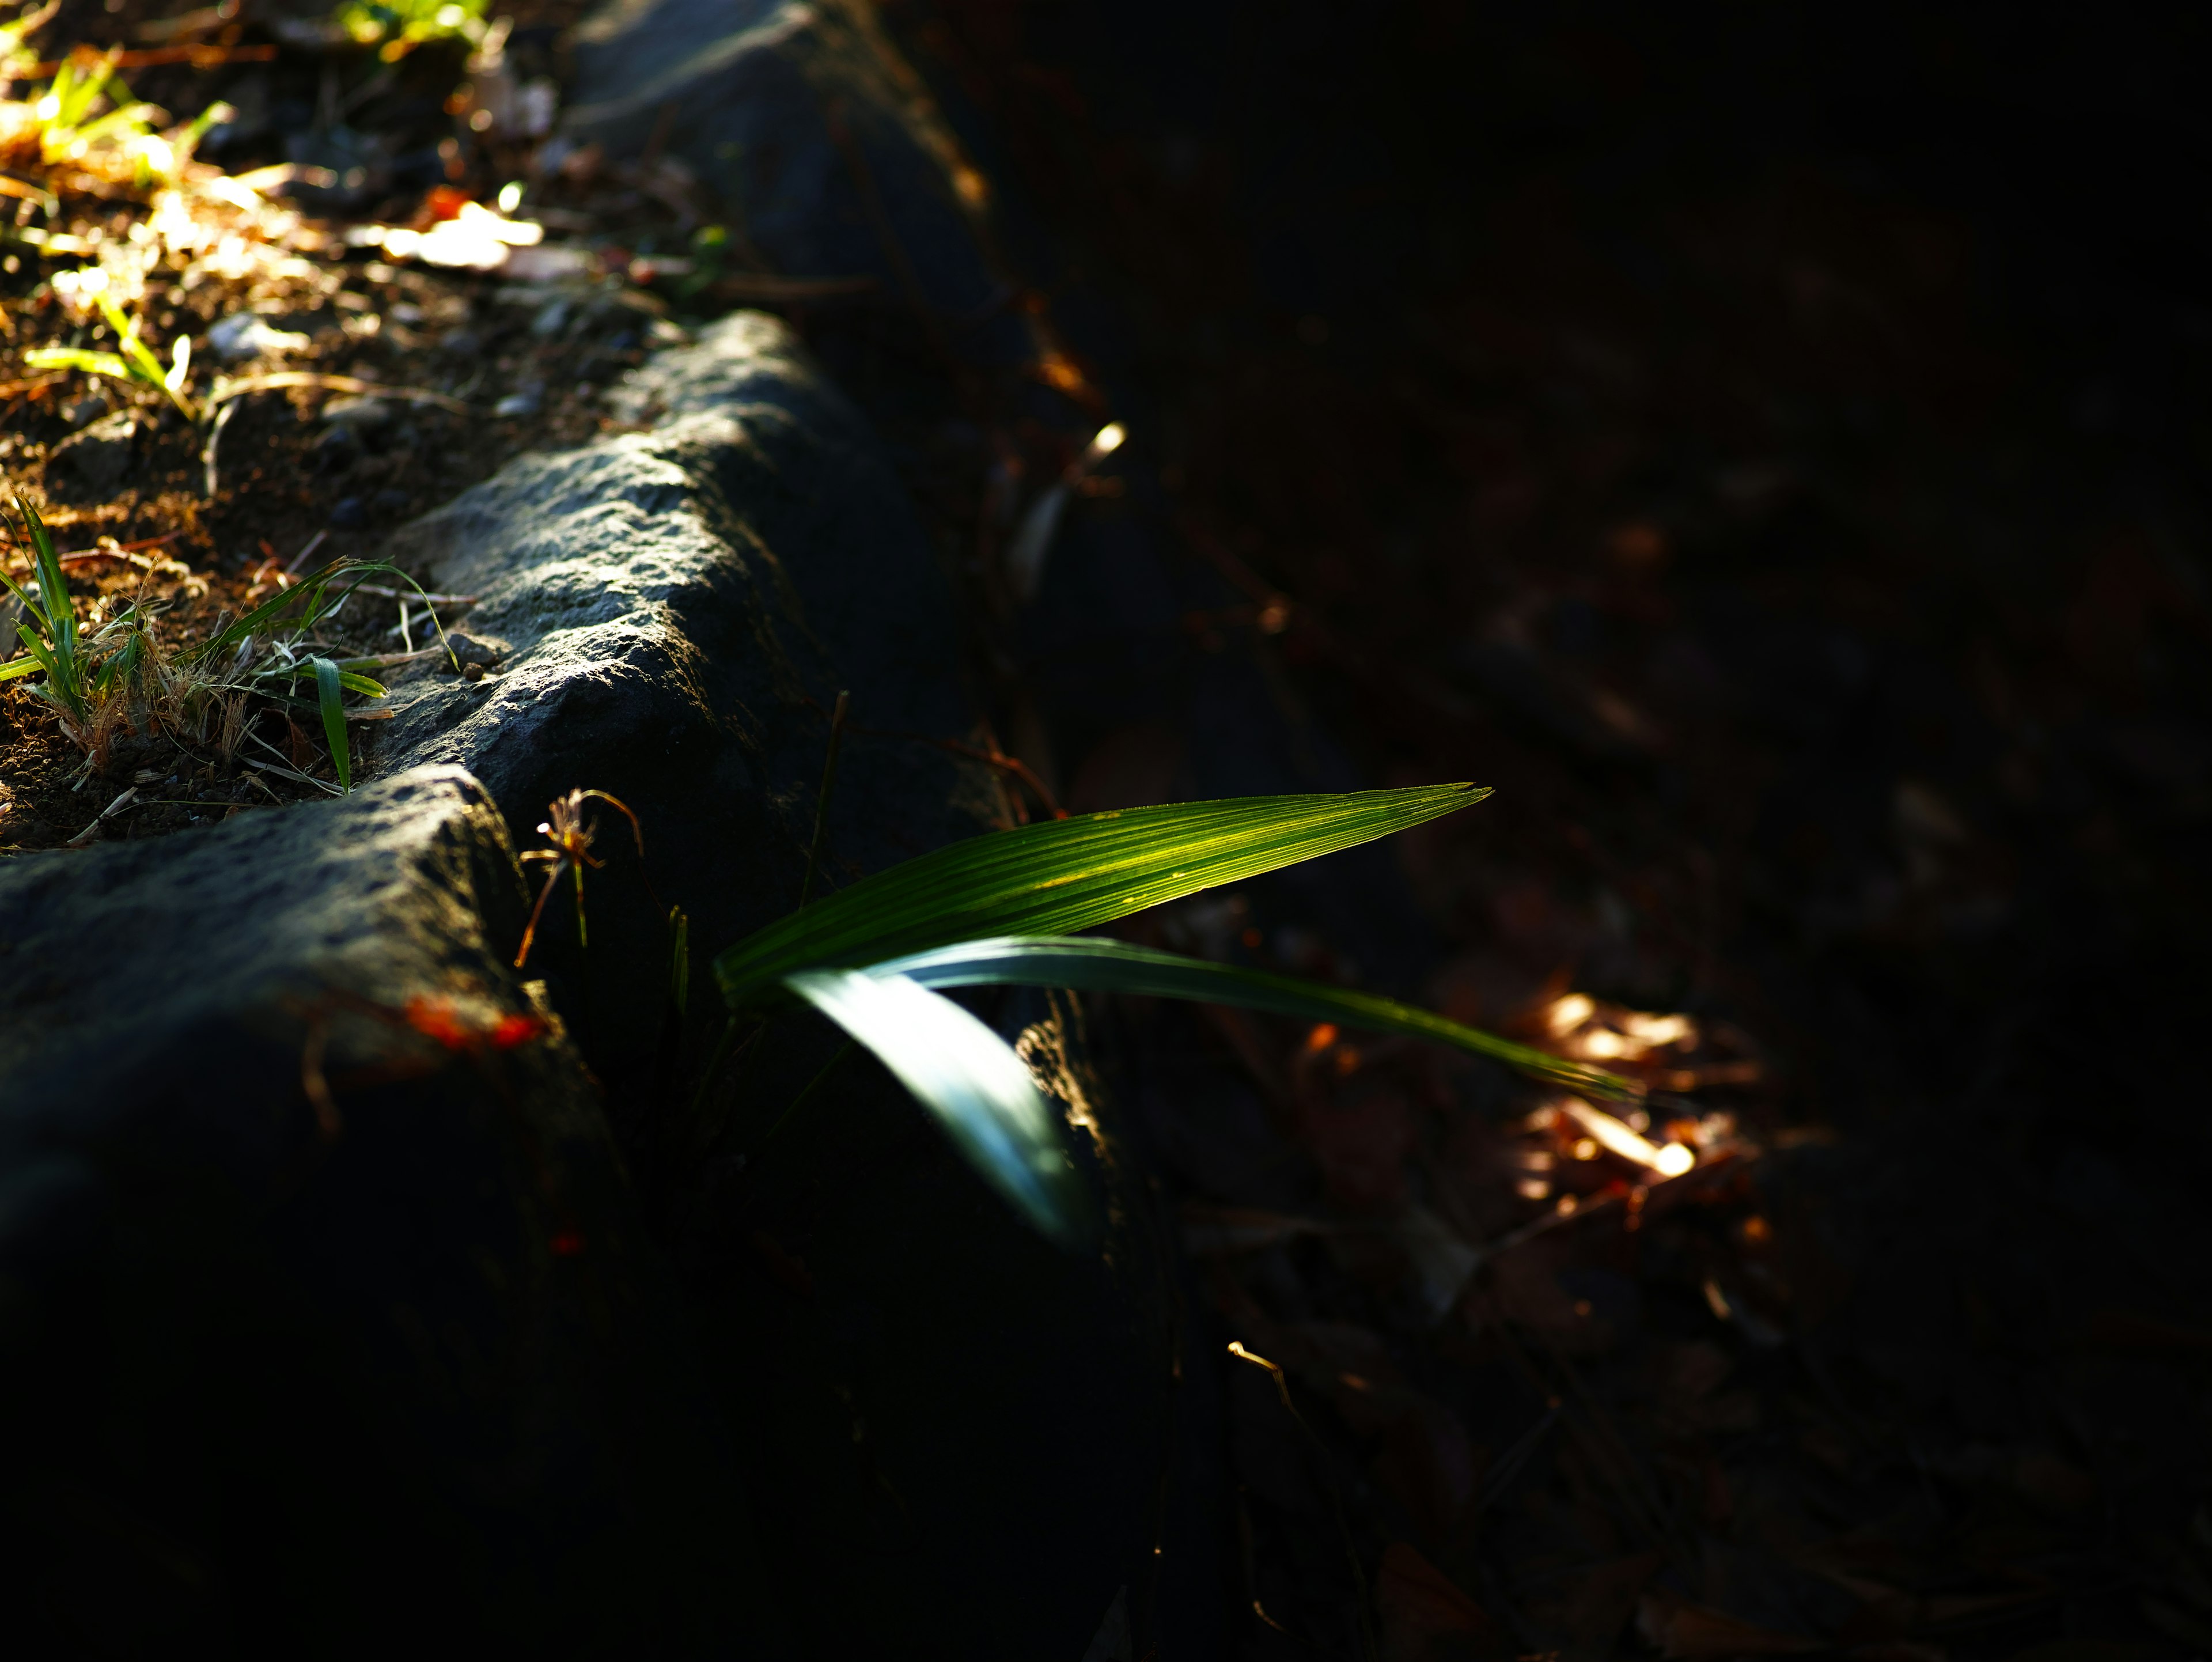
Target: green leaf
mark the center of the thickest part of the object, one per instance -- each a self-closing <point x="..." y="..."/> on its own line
<point x="1061" y="875"/>
<point x="53" y="582"/>
<point x="17" y="669"/>
<point x="144" y="365"/>
<point x="327" y="693"/>
<point x="347" y="678"/>
<point x="79" y="358"/>
<point x="972" y="1082"/>
<point x="58" y="653"/>
<point x="122" y="119"/>
<point x="1116" y="966"/>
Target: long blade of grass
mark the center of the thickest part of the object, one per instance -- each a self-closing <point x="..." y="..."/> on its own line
<point x="1116" y="966"/>
<point x="37" y="649"/>
<point x="1059" y="876"/>
<point x="143" y="364"/>
<point x="972" y="1081"/>
<point x="53" y="585"/>
<point x="347" y="678"/>
<point x="78" y="358"/>
<point x="313" y="589"/>
<point x="327" y="697"/>
<point x="58" y="655"/>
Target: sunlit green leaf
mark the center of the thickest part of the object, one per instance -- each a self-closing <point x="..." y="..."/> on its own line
<point x="1117" y="966"/>
<point x="327" y="696"/>
<point x="78" y="358"/>
<point x="972" y="1081"/>
<point x="1059" y="876"/>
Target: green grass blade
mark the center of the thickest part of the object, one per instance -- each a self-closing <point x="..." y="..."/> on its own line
<point x="313" y="589"/>
<point x="971" y="1079"/>
<point x="20" y="668"/>
<point x="1116" y="966"/>
<point x="347" y="678"/>
<point x="78" y="358"/>
<point x="59" y="616"/>
<point x="58" y="654"/>
<point x="328" y="691"/>
<point x="1059" y="876"/>
<point x="264" y="616"/>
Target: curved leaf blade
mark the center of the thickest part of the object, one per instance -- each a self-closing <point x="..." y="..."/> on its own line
<point x="972" y="1082"/>
<point x="329" y="691"/>
<point x="1116" y="966"/>
<point x="1059" y="876"/>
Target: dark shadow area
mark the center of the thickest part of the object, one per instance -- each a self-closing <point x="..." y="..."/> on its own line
<point x="1767" y="446"/>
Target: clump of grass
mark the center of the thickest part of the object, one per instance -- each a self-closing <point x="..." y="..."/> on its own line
<point x="47" y="627"/>
<point x="134" y="362"/>
<point x="87" y="119"/>
<point x="273" y="648"/>
<point x="92" y="682"/>
<point x="120" y="675"/>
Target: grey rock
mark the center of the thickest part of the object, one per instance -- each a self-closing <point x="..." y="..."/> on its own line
<point x="357" y="413"/>
<point x="470" y="650"/>
<point x="320" y="1385"/>
<point x="243" y="335"/>
<point x="302" y="1383"/>
<point x="100" y="458"/>
<point x="804" y="117"/>
<point x="678" y="608"/>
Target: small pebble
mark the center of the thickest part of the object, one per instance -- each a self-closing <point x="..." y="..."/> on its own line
<point x="525" y="402"/>
<point x="243" y="335"/>
<point x="473" y="672"/>
<point x="356" y="412"/>
<point x="469" y="650"/>
<point x="351" y="514"/>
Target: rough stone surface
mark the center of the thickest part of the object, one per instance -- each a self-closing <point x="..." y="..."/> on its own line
<point x="289" y="1387"/>
<point x="295" y="1385"/>
<point x="802" y="115"/>
<point x="952" y="1431"/>
<point x="674" y="612"/>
